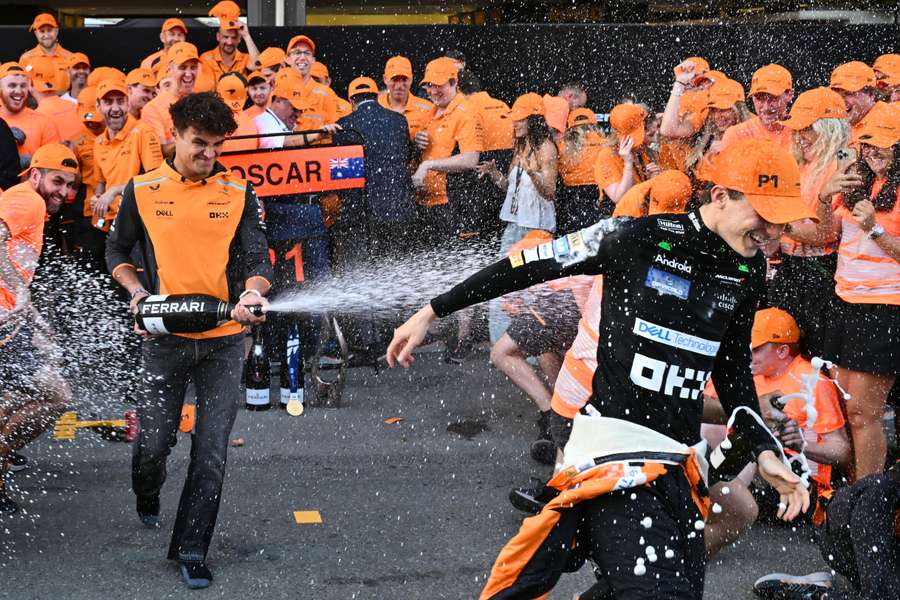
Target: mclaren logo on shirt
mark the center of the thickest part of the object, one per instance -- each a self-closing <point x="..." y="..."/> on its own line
<point x="672" y="380"/>
<point x="674" y="338"/>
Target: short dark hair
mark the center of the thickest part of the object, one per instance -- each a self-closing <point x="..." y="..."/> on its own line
<point x="469" y="82"/>
<point x="363" y="96"/>
<point x="240" y="76"/>
<point x="204" y="112"/>
<point x="456" y="55"/>
<point x="573" y="85"/>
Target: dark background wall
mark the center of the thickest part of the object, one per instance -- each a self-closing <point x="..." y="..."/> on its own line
<point x="614" y="61"/>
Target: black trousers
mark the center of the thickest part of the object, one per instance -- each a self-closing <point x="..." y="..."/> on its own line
<point x="215" y="367"/>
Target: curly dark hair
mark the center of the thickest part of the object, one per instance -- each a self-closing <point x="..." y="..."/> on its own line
<point x="887" y="196"/>
<point x="204" y="112"/>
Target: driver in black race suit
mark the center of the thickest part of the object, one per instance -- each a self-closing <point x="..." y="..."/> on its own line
<point x="679" y="296"/>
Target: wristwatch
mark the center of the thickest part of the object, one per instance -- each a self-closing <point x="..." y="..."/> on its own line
<point x="876" y="232"/>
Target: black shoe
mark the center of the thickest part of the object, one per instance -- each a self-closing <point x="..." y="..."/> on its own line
<point x="782" y="590"/>
<point x="17" y="462"/>
<point x="7" y="505"/>
<point x="532" y="498"/>
<point x="544" y="451"/>
<point x="196" y="574"/>
<point x="148" y="511"/>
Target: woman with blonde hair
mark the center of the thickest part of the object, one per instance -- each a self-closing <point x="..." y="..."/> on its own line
<point x="576" y="204"/>
<point x="803" y="282"/>
<point x="624" y="161"/>
<point x="726" y="107"/>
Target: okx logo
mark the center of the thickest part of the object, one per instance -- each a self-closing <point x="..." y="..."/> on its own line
<point x="671" y="380"/>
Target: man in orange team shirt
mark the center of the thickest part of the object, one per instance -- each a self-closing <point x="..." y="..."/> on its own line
<point x="398" y="76"/>
<point x="79" y="69"/>
<point x="30" y="128"/>
<point x="225" y="57"/>
<point x="320" y="102"/>
<point x="260" y="91"/>
<point x="141" y="84"/>
<point x="233" y="90"/>
<point x="270" y="62"/>
<point x="772" y="91"/>
<point x="319" y="72"/>
<point x="173" y="31"/>
<point x="46" y="31"/>
<point x="34" y="394"/>
<point x="183" y="64"/>
<point x="855" y="82"/>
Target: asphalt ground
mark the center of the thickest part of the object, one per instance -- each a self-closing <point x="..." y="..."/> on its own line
<point x="408" y="510"/>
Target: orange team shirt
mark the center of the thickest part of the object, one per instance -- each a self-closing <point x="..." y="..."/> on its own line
<point x="753" y="129"/>
<point x="216" y="64"/>
<point x="693" y="108"/>
<point x="245" y="126"/>
<point x="457" y="128"/>
<point x="38" y="129"/>
<point x="64" y="114"/>
<point x="320" y="107"/>
<point x="156" y="115"/>
<point x="865" y="274"/>
<point x="418" y="112"/>
<point x="23" y="211"/>
<point x="809" y="194"/>
<point x="134" y="150"/>
<point x="342" y="107"/>
<point x="673" y="154"/>
<point x="829" y="417"/>
<point x="578" y="169"/>
<point x="58" y="53"/>
<point x="84" y="152"/>
<point x="254" y="111"/>
<point x="609" y="168"/>
<point x="495" y="122"/>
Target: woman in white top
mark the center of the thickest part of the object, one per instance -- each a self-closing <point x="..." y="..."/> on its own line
<point x="530" y="185"/>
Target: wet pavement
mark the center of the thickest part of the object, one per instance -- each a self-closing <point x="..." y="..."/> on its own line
<point x="408" y="509"/>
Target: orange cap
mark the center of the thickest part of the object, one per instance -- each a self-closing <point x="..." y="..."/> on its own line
<point x="724" y="93"/>
<point x="628" y="119"/>
<point x="362" y="85"/>
<point x="398" y="66"/>
<point x="42" y="70"/>
<point x="581" y="116"/>
<point x="766" y="174"/>
<point x="440" y="71"/>
<point x="773" y="325"/>
<point x="880" y="127"/>
<point x="812" y="105"/>
<point x="669" y="192"/>
<point x="254" y="76"/>
<point x="181" y="52"/>
<point x="173" y="23"/>
<point x="111" y="85"/>
<point x="525" y="106"/>
<point x="141" y="77"/>
<point x="228" y="14"/>
<point x="852" y="77"/>
<point x="291" y="90"/>
<point x="301" y="39"/>
<point x="233" y="92"/>
<point x="87" y="105"/>
<point x="771" y="79"/>
<point x="42" y="20"/>
<point x="318" y="70"/>
<point x="78" y="58"/>
<point x="271" y="57"/>
<point x="713" y="76"/>
<point x="12" y="68"/>
<point x="887" y="70"/>
<point x="101" y="73"/>
<point x="700" y="66"/>
<point x="55" y="157"/>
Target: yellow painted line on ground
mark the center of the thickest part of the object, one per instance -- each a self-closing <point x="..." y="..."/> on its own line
<point x="307" y="517"/>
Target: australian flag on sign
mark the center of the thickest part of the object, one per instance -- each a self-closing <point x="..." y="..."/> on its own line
<point x="347" y="168"/>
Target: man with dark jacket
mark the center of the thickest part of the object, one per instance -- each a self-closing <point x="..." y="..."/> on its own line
<point x="383" y="212"/>
<point x="375" y="223"/>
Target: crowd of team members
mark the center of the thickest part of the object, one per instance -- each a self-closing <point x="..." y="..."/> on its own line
<point x="541" y="167"/>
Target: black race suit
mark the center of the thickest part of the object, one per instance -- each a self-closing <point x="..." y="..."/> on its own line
<point x="678" y="304"/>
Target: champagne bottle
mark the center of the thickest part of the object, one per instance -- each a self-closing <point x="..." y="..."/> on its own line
<point x="293" y="366"/>
<point x="184" y="313"/>
<point x="256" y="374"/>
